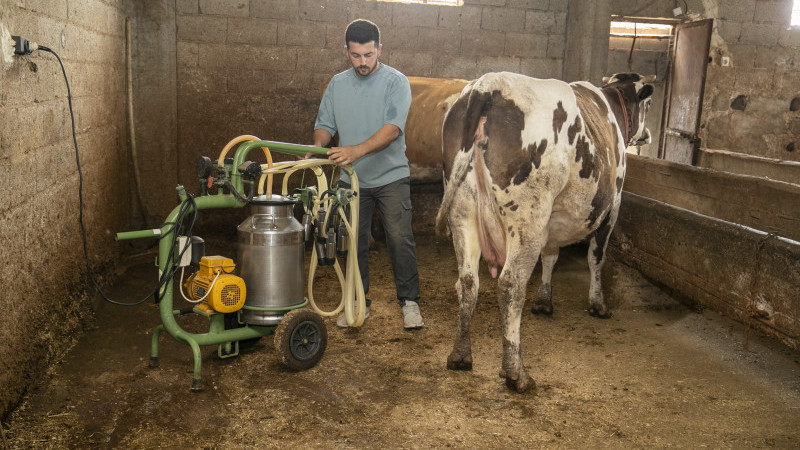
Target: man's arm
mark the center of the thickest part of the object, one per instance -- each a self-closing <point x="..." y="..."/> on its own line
<point x="347" y="155"/>
<point x="321" y="137"/>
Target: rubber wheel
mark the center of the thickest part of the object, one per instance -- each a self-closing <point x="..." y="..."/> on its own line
<point x="300" y="339"/>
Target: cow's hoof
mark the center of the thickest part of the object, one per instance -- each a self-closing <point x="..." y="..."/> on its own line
<point x="543" y="309"/>
<point x="457" y="363"/>
<point x="601" y="312"/>
<point x="520" y="383"/>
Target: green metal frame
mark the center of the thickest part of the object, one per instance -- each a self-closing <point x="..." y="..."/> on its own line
<point x="217" y="334"/>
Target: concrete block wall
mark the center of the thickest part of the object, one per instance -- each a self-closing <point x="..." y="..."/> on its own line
<point x="258" y="66"/>
<point x="41" y="262"/>
<point x="763" y="51"/>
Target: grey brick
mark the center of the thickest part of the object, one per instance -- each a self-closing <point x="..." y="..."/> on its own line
<point x="334" y="11"/>
<point x="541" y="67"/>
<point x="378" y="12"/>
<point x="464" y="17"/>
<point x="187" y="54"/>
<point x="222" y="55"/>
<point x="774" y="58"/>
<point x="253" y="31"/>
<point x="526" y="45"/>
<point x="274" y="58"/>
<point x="485" y="2"/>
<point x="743" y="56"/>
<point x="455" y="67"/>
<point x="789" y="37"/>
<point x="559" y="5"/>
<point x="302" y="33"/>
<point x="275" y="9"/>
<point x="56" y="9"/>
<point x="400" y="37"/>
<point x="773" y="11"/>
<point x="412" y="63"/>
<point x="498" y="64"/>
<point x="322" y="60"/>
<point x="502" y="19"/>
<point x="201" y="28"/>
<point x="187" y="7"/>
<point x="482" y="42"/>
<point x="240" y="8"/>
<point x="249" y="81"/>
<point x="415" y="15"/>
<point x="730" y="31"/>
<point x="439" y="40"/>
<point x="740" y="10"/>
<point x="555" y="47"/>
<point x="529" y="4"/>
<point x="541" y="22"/>
<point x="760" y="33"/>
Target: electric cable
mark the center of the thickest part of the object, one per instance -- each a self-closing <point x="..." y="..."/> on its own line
<point x="175" y="226"/>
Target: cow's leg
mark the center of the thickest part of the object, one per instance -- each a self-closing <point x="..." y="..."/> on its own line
<point x="544" y="298"/>
<point x="468" y="255"/>
<point x="596" y="257"/>
<point x="512" y="284"/>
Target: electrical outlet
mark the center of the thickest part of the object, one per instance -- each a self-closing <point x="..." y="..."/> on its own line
<point x="726" y="61"/>
<point x="677" y="11"/>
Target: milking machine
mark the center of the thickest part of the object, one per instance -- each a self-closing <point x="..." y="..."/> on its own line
<point x="266" y="297"/>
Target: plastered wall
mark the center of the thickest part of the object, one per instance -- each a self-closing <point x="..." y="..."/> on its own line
<point x="747" y="106"/>
<point x="42" y="266"/>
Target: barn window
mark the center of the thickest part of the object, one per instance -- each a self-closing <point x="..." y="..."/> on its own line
<point x="640" y="29"/>
<point x="429" y="2"/>
<point x="795" y="13"/>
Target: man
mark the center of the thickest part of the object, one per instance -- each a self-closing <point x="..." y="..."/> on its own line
<point x="368" y="105"/>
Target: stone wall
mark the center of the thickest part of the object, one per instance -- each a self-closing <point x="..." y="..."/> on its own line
<point x="42" y="264"/>
<point x="258" y="66"/>
<point x="752" y="104"/>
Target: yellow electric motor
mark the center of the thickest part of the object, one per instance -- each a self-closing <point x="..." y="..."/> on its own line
<point x="219" y="289"/>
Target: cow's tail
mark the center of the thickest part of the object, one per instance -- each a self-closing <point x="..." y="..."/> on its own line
<point x="459" y="172"/>
<point x="490" y="230"/>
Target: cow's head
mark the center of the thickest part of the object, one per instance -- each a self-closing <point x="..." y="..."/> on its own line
<point x="634" y="95"/>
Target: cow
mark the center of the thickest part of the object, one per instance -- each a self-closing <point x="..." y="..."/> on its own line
<point x="430" y="100"/>
<point x="530" y="166"/>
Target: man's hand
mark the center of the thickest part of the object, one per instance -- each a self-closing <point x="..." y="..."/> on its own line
<point x="345" y="155"/>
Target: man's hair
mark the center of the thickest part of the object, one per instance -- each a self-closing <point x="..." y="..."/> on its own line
<point x="362" y="31"/>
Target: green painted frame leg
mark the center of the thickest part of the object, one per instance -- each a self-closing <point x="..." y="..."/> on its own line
<point x="197" y="380"/>
<point x="154" y="346"/>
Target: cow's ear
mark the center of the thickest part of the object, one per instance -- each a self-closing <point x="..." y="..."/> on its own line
<point x="645" y="92"/>
<point x="606" y="80"/>
<point x="648" y="79"/>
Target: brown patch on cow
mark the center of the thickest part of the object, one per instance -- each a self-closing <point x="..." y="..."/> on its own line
<point x="514" y="208"/>
<point x="601" y="236"/>
<point x="574" y="129"/>
<point x="452" y="134"/>
<point x="620" y="180"/>
<point x="504" y="123"/>
<point x="559" y="117"/>
<point x="536" y="152"/>
<point x="509" y="204"/>
<point x="584" y="155"/>
<point x="523" y="173"/>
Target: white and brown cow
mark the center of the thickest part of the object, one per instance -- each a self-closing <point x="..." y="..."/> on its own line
<point x="530" y="166"/>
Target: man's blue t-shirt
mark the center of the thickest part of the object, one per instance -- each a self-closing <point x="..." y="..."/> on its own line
<point x="357" y="107"/>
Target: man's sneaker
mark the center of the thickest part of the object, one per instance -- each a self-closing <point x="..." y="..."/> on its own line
<point x="342" y="320"/>
<point x="412" y="319"/>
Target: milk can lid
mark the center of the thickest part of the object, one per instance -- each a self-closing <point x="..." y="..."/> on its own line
<point x="273" y="200"/>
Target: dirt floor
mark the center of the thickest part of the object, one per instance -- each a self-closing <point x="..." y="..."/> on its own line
<point x="655" y="375"/>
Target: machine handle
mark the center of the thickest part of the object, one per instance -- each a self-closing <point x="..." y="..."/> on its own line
<point x="253" y="220"/>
